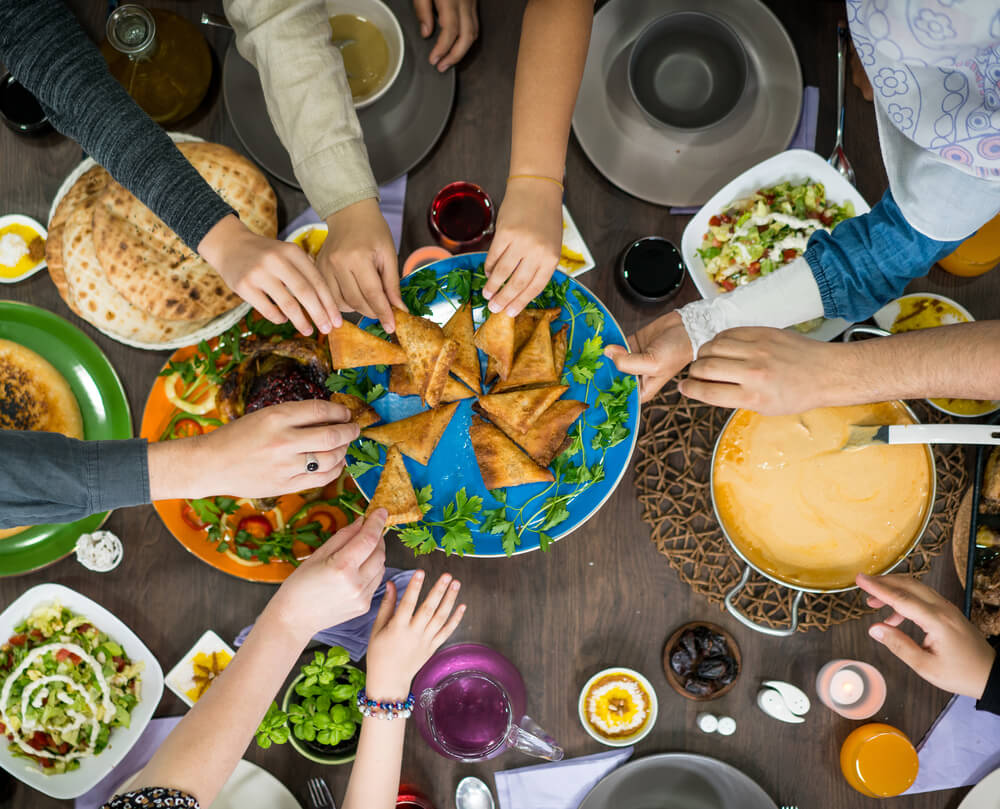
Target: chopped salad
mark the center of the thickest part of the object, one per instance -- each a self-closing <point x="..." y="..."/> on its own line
<point x="755" y="236"/>
<point x="66" y="684"/>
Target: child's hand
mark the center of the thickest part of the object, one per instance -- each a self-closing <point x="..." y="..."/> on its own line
<point x="405" y="636"/>
<point x="953" y="656"/>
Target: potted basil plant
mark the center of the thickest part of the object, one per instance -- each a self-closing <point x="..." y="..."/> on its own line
<point x="319" y="714"/>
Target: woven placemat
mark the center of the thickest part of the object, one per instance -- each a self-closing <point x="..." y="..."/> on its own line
<point x="673" y="460"/>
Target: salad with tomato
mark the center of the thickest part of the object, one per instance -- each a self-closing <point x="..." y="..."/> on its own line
<point x="755" y="236"/>
<point x="66" y="686"/>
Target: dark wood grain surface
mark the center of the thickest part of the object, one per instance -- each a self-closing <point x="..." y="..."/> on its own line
<point x="601" y="597"/>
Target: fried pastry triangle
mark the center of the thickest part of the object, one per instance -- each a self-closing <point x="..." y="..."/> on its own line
<point x="394" y="492"/>
<point x="362" y="413"/>
<point x="416" y="436"/>
<point x="534" y="364"/>
<point x="520" y="408"/>
<point x="501" y="462"/>
<point x="559" y="345"/>
<point x="401" y="383"/>
<point x="496" y="339"/>
<point x="460" y="329"/>
<point x="547" y="437"/>
<point x="352" y="347"/>
<point x="524" y="325"/>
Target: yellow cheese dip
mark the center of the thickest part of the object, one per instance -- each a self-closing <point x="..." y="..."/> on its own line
<point x="806" y="512"/>
<point x="21" y="236"/>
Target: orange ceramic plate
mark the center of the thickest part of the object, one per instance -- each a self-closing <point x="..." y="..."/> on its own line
<point x="155" y="418"/>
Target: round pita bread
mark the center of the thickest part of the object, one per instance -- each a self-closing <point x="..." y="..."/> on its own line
<point x="151" y="267"/>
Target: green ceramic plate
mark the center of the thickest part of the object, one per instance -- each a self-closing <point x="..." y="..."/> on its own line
<point x="105" y="413"/>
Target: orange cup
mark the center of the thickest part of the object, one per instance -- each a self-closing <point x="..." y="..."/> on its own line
<point x="879" y="761"/>
<point x="978" y="254"/>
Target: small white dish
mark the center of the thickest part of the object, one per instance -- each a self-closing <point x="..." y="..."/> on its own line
<point x="301" y="230"/>
<point x="28" y="222"/>
<point x="573" y="240"/>
<point x="381" y="16"/>
<point x="643" y="731"/>
<point x="73" y="784"/>
<point x="180" y="679"/>
<point x="795" y="165"/>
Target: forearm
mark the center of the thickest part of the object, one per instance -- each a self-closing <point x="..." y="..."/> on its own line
<point x="203" y="750"/>
<point x="374" y="780"/>
<point x="308" y="98"/>
<point x="550" y="60"/>
<point x="959" y="361"/>
<point x="47" y="477"/>
<point x="44" y="47"/>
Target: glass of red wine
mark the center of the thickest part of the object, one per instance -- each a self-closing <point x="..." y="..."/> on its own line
<point x="412" y="798"/>
<point x="462" y="217"/>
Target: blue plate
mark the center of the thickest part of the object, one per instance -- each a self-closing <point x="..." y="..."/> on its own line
<point x="453" y="465"/>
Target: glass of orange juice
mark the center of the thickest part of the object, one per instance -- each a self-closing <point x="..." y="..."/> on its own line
<point x="978" y="254"/>
<point x="878" y="761"/>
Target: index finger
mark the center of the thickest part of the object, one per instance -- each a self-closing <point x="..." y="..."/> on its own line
<point x="327" y="315"/>
<point x="904" y="594"/>
<point x="369" y="281"/>
<point x="311" y="412"/>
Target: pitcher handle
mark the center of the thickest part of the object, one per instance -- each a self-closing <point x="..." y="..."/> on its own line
<point x="531" y="739"/>
<point x="767" y="630"/>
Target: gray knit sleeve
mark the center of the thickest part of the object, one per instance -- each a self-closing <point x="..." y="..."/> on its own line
<point x="47" y="51"/>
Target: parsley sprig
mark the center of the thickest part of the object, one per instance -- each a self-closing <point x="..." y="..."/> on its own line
<point x="455" y="522"/>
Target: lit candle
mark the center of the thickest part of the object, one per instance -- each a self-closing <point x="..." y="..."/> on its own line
<point x="847" y="687"/>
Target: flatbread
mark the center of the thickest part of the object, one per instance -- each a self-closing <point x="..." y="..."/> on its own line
<point x="496" y="339"/>
<point x="521" y="408"/>
<point x="534" y="364"/>
<point x="416" y="436"/>
<point x="353" y="347"/>
<point x="394" y="492"/>
<point x="460" y="329"/>
<point x="501" y="462"/>
<point x="548" y="436"/>
<point x="362" y="413"/>
<point x="34" y="395"/>
<point x="97" y="301"/>
<point x="524" y="325"/>
<point x="151" y="267"/>
<point x="88" y="187"/>
<point x="401" y="383"/>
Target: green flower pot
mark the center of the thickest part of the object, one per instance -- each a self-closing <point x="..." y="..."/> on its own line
<point x="342" y="753"/>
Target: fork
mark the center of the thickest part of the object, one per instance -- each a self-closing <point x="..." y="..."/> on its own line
<point x="319" y="794"/>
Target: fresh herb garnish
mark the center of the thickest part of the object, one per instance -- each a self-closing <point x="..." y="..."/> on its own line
<point x="454" y="523"/>
<point x="355" y="382"/>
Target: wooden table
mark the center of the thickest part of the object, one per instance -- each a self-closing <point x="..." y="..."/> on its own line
<point x="602" y="597"/>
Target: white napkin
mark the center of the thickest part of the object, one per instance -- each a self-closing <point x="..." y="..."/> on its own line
<point x="556" y="785"/>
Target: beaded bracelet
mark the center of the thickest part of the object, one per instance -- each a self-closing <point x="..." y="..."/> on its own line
<point x="385" y="710"/>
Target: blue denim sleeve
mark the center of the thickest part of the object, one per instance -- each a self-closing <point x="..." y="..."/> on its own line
<point x="868" y="260"/>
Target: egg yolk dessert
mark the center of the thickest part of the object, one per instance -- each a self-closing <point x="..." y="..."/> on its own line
<point x="806" y="512"/>
<point x="617" y="706"/>
<point x="21" y="249"/>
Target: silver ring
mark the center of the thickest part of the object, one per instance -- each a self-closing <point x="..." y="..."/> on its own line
<point x="312" y="464"/>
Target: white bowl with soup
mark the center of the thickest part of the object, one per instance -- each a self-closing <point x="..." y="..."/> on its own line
<point x="371" y="44"/>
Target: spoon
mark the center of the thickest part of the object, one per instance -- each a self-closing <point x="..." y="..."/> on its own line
<point x="473" y="794"/>
<point x="864" y="435"/>
<point x="838" y="159"/>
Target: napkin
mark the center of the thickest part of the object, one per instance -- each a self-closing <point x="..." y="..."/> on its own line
<point x="391" y="198"/>
<point x="961" y="748"/>
<point x="353" y="635"/>
<point x="556" y="785"/>
<point x="136" y="758"/>
<point x="804" y="137"/>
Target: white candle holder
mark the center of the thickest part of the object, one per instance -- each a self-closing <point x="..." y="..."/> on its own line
<point x="853" y="689"/>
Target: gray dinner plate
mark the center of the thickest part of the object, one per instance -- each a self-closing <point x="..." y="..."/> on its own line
<point x="677" y="781"/>
<point x="400" y="128"/>
<point x="669" y="166"/>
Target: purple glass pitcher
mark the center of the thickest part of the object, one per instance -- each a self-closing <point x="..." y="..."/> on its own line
<point x="469" y="699"/>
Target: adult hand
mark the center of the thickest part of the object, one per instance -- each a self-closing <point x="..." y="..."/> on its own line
<point x="771" y="371"/>
<point x="275" y="278"/>
<point x="262" y="454"/>
<point x="527" y="244"/>
<point x="659" y="351"/>
<point x="337" y="582"/>
<point x="405" y="636"/>
<point x="953" y="655"/>
<point x="459" y="28"/>
<point x="358" y="261"/>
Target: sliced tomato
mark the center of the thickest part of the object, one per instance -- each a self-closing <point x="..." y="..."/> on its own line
<point x="191" y="518"/>
<point x="185" y="428"/>
<point x="62" y="654"/>
<point x="255" y="525"/>
<point x="761" y="228"/>
<point x="754" y="268"/>
<point x="330" y="519"/>
<point x="46" y="762"/>
<point x="36" y="634"/>
<point x="789" y="253"/>
<point x="715" y="221"/>
<point x="18" y="640"/>
<point x="84" y="628"/>
<point x="63" y="748"/>
<point x="119" y="663"/>
<point x="39" y="740"/>
<point x="727" y="285"/>
<point x="826" y="218"/>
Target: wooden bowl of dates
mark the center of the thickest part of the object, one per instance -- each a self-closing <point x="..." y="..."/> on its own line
<point x="701" y="661"/>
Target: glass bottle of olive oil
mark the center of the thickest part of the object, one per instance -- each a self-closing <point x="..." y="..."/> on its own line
<point x="160" y="58"/>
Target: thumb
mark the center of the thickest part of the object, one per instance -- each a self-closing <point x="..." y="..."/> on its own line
<point x="640" y="363"/>
<point x="901" y="645"/>
<point x="386" y="608"/>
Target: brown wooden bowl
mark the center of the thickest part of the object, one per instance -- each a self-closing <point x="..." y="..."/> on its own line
<point x="675" y="680"/>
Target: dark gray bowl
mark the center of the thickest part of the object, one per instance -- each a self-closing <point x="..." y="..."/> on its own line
<point x="687" y="70"/>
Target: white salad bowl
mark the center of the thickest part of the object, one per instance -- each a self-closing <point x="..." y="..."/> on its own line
<point x="795" y="166"/>
<point x="73" y="784"/>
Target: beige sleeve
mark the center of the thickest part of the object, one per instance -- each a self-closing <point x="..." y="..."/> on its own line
<point x="308" y="99"/>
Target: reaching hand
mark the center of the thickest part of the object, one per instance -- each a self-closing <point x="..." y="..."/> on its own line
<point x="276" y="278"/>
<point x="262" y="454"/>
<point x="527" y="244"/>
<point x="405" y="636"/>
<point x="459" y="28"/>
<point x="659" y="351"/>
<point x="953" y="656"/>
<point x="771" y="371"/>
<point x="358" y="260"/>
<point x="337" y="582"/>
